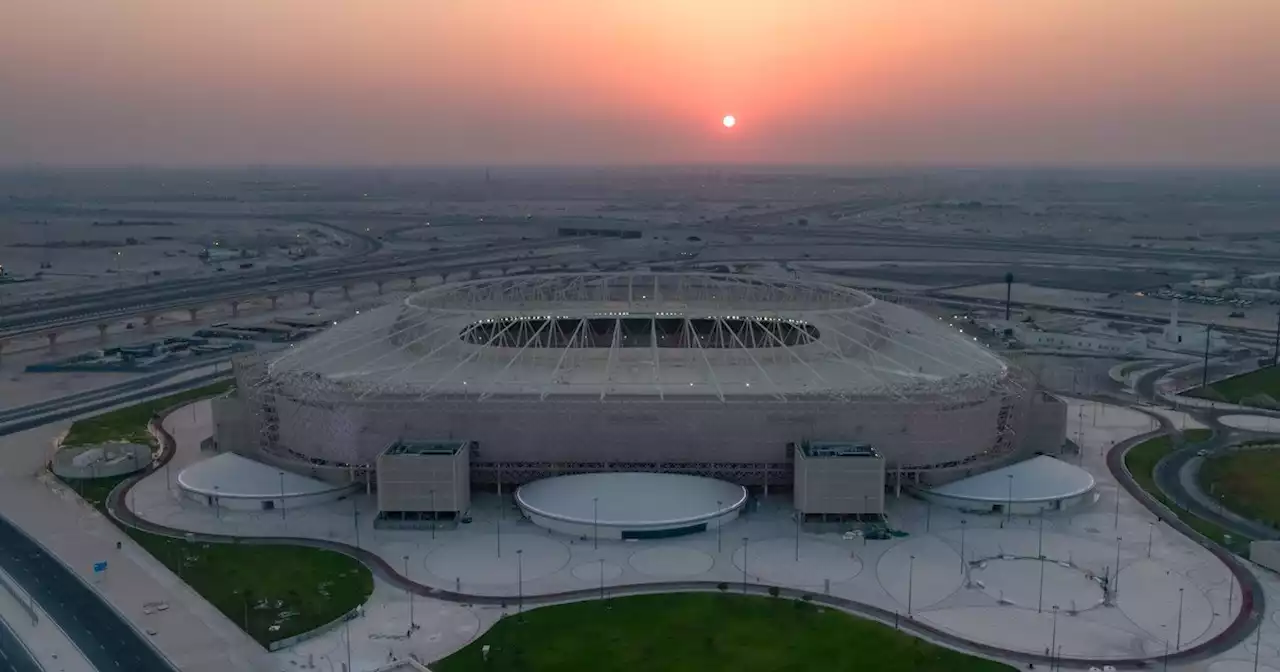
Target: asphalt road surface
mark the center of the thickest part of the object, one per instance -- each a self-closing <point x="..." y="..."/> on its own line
<point x="101" y="634"/>
<point x="13" y="655"/>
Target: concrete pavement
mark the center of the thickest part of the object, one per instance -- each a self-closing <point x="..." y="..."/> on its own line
<point x="154" y="604"/>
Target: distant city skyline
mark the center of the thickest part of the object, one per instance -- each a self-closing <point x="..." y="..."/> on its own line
<point x="615" y="82"/>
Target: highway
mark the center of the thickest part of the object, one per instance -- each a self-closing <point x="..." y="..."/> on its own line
<point x="98" y="631"/>
<point x="14" y="656"/>
<point x="101" y="634"/>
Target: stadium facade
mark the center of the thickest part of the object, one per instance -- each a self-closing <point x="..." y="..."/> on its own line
<point x="717" y="375"/>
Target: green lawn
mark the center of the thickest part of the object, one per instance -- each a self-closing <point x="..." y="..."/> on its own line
<point x="292" y="587"/>
<point x="1141" y="461"/>
<point x="1247" y="482"/>
<point x="130" y="423"/>
<point x="702" y="632"/>
<point x="1237" y="389"/>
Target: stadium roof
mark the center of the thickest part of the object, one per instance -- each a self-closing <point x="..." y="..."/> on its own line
<point x="652" y="335"/>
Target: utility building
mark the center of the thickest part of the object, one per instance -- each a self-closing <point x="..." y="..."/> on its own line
<point x="424" y="480"/>
<point x="837" y="478"/>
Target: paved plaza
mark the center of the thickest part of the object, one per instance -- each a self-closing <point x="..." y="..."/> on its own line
<point x="1006" y="598"/>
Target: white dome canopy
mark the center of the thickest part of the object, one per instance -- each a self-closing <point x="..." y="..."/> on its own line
<point x="654" y="335"/>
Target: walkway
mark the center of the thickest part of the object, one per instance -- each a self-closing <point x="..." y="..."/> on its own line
<point x="876" y="579"/>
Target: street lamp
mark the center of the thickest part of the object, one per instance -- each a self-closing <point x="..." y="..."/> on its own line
<point x="355" y="518"/>
<point x="1178" y="645"/>
<point x="1008" y="514"/>
<point x="911" y="573"/>
<point x="519" y="581"/>
<point x="962" y="560"/>
<point x="407" y="589"/>
<point x="1053" y="643"/>
<point x="797" y="518"/>
<point x="744" y="565"/>
<point x="435" y="515"/>
<point x="1115" y="583"/>
<point x="283" y="515"/>
<point x="1040" y="556"/>
<point x="719" y="527"/>
<point x="1151" y="531"/>
<point x="595" y="523"/>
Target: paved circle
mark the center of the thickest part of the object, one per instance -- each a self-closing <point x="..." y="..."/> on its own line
<point x="475" y="560"/>
<point x="774" y="561"/>
<point x="930" y="578"/>
<point x="1253" y="423"/>
<point x="591" y="571"/>
<point x="670" y="562"/>
<point x="1150" y="595"/>
<point x="1018" y="581"/>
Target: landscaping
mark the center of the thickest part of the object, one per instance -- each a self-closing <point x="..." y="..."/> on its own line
<point x="129" y="424"/>
<point x="1246" y="481"/>
<point x="1141" y="462"/>
<point x="1259" y="388"/>
<point x="696" y="632"/>
<point x="271" y="591"/>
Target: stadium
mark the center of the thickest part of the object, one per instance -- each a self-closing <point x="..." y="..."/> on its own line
<point x="499" y="382"/>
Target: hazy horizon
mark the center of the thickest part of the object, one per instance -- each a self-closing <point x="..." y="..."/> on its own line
<point x="1144" y="84"/>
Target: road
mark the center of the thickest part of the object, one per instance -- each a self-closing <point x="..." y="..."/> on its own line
<point x="101" y="634"/>
<point x="14" y="656"/>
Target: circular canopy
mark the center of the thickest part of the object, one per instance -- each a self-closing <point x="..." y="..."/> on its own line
<point x="641" y="335"/>
<point x="630" y="500"/>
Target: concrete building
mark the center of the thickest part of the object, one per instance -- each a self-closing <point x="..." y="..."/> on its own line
<point x="424" y="480"/>
<point x="835" y="478"/>
<point x="1041" y="483"/>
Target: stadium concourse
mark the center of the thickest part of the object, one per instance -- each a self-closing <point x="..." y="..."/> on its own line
<point x="977" y="576"/>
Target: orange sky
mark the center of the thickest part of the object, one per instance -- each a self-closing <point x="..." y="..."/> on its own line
<point x="621" y="81"/>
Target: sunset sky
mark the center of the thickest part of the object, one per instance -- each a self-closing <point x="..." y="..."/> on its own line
<point x="443" y="82"/>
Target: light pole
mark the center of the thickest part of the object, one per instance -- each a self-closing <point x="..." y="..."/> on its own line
<point x="911" y="575"/>
<point x="1178" y="645"/>
<point x="1116" y="524"/>
<point x="217" y="503"/>
<point x="1151" y="531"/>
<point x="283" y="515"/>
<point x="1257" y="644"/>
<point x="519" y="581"/>
<point x="719" y="528"/>
<point x="1053" y="642"/>
<point x="1040" y="555"/>
<point x="962" y="560"/>
<point x="435" y="515"/>
<point x="407" y="589"/>
<point x="497" y="525"/>
<point x="797" y="518"/>
<point x="595" y="523"/>
<point x="928" y="513"/>
<point x="1115" y="583"/>
<point x="1008" y="514"/>
<point x="355" y="519"/>
<point x="744" y="565"/>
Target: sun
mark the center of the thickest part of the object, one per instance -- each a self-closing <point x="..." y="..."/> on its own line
<point x="729" y="121"/>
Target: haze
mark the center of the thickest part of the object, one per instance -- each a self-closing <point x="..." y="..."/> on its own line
<point x="621" y="82"/>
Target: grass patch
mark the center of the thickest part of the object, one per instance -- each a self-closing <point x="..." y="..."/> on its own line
<point x="1197" y="435"/>
<point x="1238" y="389"/>
<point x="1141" y="461"/>
<point x="1247" y="482"/>
<point x="292" y="589"/>
<point x="130" y="423"/>
<point x="697" y="632"/>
